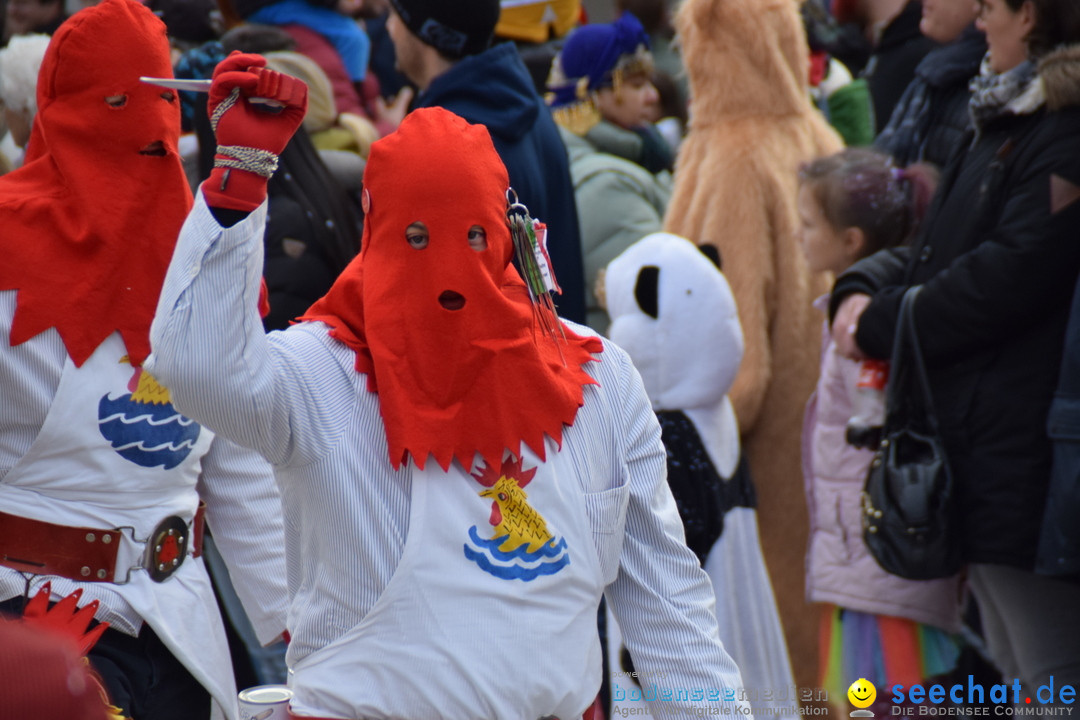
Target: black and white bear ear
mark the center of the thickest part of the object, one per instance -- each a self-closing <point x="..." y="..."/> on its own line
<point x="647" y="290"/>
<point x="711" y="252"/>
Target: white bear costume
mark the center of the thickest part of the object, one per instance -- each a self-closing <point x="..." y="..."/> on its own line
<point x="674" y="313"/>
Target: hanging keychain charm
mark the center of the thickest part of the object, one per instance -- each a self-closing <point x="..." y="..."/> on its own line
<point x="530" y="249"/>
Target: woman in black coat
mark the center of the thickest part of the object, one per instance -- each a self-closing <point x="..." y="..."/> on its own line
<point x="998" y="257"/>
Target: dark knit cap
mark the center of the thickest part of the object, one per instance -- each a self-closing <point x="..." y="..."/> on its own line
<point x="187" y="20"/>
<point x="455" y="28"/>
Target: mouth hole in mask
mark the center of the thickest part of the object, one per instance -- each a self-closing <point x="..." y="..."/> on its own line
<point x="451" y="300"/>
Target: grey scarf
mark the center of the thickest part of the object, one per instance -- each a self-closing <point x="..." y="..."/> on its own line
<point x="1014" y="92"/>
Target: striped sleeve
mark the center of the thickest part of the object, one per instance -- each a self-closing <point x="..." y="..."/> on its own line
<point x="244" y="513"/>
<point x="210" y="349"/>
<point x="661" y="597"/>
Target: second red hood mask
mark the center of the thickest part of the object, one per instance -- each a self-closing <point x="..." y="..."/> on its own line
<point x="439" y="319"/>
<point x="91" y="219"/>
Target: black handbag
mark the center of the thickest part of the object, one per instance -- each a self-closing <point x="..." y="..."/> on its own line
<point x="908" y="519"/>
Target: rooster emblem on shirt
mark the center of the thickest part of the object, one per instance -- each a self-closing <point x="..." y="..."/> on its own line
<point x="521" y="546"/>
<point x="142" y="425"/>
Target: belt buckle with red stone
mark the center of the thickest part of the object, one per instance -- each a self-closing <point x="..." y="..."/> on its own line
<point x="166" y="548"/>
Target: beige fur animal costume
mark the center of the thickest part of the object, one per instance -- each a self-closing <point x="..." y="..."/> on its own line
<point x="752" y="125"/>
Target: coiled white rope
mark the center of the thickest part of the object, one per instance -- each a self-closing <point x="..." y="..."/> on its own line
<point x="239" y="157"/>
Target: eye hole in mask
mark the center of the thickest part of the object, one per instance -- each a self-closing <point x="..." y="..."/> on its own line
<point x="477" y="238"/>
<point x="116" y="101"/>
<point x="168" y="96"/>
<point x="417" y="235"/>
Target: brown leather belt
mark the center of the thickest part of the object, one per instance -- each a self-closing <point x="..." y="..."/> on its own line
<point x="90" y="554"/>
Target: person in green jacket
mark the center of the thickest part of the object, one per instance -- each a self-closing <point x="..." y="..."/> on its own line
<point x="603" y="100"/>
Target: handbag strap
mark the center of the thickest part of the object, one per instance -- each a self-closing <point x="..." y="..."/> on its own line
<point x="908" y="401"/>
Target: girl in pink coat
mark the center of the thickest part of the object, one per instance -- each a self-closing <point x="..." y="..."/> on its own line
<point x="874" y="625"/>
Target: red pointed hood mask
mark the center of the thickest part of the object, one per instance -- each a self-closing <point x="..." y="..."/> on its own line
<point x="90" y="221"/>
<point x="440" y="320"/>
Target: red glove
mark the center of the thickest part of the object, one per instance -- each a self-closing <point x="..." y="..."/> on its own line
<point x="65" y="617"/>
<point x="249" y="135"/>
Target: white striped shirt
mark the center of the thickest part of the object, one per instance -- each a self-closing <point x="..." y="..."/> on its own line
<point x="296" y="398"/>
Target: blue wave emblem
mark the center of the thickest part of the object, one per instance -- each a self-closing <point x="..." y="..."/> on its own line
<point x="147" y="434"/>
<point x="517" y="564"/>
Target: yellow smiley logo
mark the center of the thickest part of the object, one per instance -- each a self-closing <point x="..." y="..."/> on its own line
<point x="862" y="693"/>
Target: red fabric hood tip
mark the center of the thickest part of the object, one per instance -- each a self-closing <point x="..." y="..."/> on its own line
<point x="446" y="332"/>
<point x="91" y="219"/>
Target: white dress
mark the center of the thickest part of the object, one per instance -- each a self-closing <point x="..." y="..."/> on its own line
<point x="673" y="312"/>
